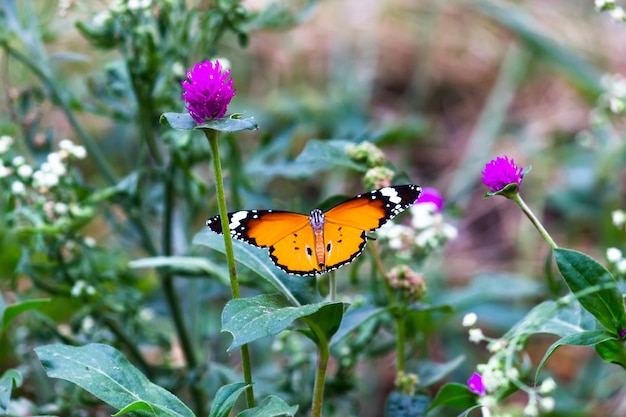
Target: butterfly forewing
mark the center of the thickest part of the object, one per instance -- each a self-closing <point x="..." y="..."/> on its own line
<point x="260" y="227"/>
<point x="371" y="210"/>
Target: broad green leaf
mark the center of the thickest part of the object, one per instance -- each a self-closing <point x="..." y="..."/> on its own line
<point x="583" y="274"/>
<point x="184" y="265"/>
<point x="225" y="399"/>
<point x="586" y="338"/>
<point x="8" y="380"/>
<point x="353" y="318"/>
<point x="404" y="405"/>
<point x="327" y="319"/>
<point x="249" y="319"/>
<point x="454" y="395"/>
<point x="431" y="372"/>
<point x="317" y="156"/>
<point x="11" y="311"/>
<point x="297" y="289"/>
<point x="562" y="318"/>
<point x="106" y="373"/>
<point x="183" y="121"/>
<point x="612" y="351"/>
<point x="272" y="406"/>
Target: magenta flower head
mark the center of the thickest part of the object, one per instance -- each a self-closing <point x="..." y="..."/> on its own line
<point x="476" y="385"/>
<point x="208" y="91"/>
<point x="431" y="195"/>
<point x="500" y="173"/>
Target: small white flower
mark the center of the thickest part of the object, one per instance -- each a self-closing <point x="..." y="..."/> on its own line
<point x="488" y="401"/>
<point x="449" y="231"/>
<point x="497" y="345"/>
<point x="18" y="188"/>
<point x="60" y="208"/>
<point x="18" y="160"/>
<point x="423" y="215"/>
<point x="101" y="18"/>
<point x="90" y="241"/>
<point x="476" y="335"/>
<point x="531" y="409"/>
<point x="613" y="255"/>
<point x="88" y="324"/>
<point x="621" y="266"/>
<point x="616" y="104"/>
<point x="601" y="3"/>
<point x="512" y="373"/>
<point x="138" y="4"/>
<point x="77" y="288"/>
<point x="469" y="320"/>
<point x="619" y="218"/>
<point x="4" y="171"/>
<point x="547" y="386"/>
<point x="25" y="171"/>
<point x="547" y="404"/>
<point x="5" y="143"/>
<point x="90" y="290"/>
<point x="79" y="152"/>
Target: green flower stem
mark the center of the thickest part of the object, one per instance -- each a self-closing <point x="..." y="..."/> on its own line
<point x="211" y="135"/>
<point x="400" y="338"/>
<point x="534" y="220"/>
<point x="385" y="278"/>
<point x="332" y="283"/>
<point x="323" y="353"/>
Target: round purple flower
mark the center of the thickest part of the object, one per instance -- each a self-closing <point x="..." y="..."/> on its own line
<point x="431" y="195"/>
<point x="501" y="172"/>
<point x="476" y="385"/>
<point x="208" y="91"/>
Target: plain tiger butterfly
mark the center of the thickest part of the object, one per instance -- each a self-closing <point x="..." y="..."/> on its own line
<point x="322" y="241"/>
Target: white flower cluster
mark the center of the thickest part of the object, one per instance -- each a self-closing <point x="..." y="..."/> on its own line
<point x="614" y="95"/>
<point x="614" y="255"/>
<point x="497" y="375"/>
<point x="428" y="231"/>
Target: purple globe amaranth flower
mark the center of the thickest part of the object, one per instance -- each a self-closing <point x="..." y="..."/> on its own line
<point x="431" y="195"/>
<point x="476" y="385"/>
<point x="501" y="172"/>
<point x="208" y="91"/>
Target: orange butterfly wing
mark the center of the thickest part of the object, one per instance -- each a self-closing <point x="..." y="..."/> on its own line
<point x="347" y="223"/>
<point x="288" y="235"/>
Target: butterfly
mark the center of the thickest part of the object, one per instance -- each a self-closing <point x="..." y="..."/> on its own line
<point x="322" y="241"/>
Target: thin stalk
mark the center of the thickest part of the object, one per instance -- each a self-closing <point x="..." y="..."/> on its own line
<point x="211" y="135"/>
<point x="400" y="338"/>
<point x="534" y="220"/>
<point x="385" y="279"/>
<point x="323" y="353"/>
<point x="332" y="283"/>
<point x="171" y="296"/>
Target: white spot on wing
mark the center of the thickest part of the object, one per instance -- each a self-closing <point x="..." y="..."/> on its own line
<point x="391" y="194"/>
<point x="236" y="218"/>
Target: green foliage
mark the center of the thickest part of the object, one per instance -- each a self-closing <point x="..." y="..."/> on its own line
<point x="107" y="374"/>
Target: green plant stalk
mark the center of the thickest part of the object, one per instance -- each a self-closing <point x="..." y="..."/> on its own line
<point x="332" y="283"/>
<point x="400" y="338"/>
<point x="533" y="219"/>
<point x="211" y="135"/>
<point x="385" y="278"/>
<point x="323" y="353"/>
<point x="171" y="296"/>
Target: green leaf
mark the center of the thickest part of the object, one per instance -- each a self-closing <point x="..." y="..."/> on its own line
<point x="353" y="318"/>
<point x="183" y="121"/>
<point x="297" y="289"/>
<point x="586" y="338"/>
<point x="11" y="311"/>
<point x="136" y="406"/>
<point x="317" y="156"/>
<point x="327" y="319"/>
<point x="8" y="380"/>
<point x="225" y="399"/>
<point x="562" y="318"/>
<point x="594" y="287"/>
<point x="399" y="404"/>
<point x="431" y="372"/>
<point x="249" y="319"/>
<point x="272" y="406"/>
<point x="106" y="373"/>
<point x="454" y="395"/>
<point x="184" y="265"/>
<point x="612" y="351"/>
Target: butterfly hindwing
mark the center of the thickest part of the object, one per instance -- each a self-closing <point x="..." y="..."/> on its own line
<point x="369" y="211"/>
<point x="295" y="253"/>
